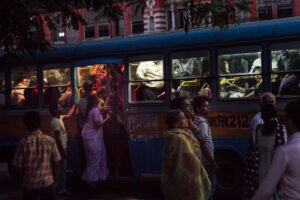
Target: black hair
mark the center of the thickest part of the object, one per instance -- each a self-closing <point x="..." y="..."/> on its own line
<point x="198" y="101"/>
<point x="53" y="108"/>
<point x="87" y="87"/>
<point x="21" y="78"/>
<point x="172" y="117"/>
<point x="296" y="63"/>
<point x="292" y="110"/>
<point x="177" y="103"/>
<point x="269" y="115"/>
<point x="32" y="120"/>
<point x="92" y="99"/>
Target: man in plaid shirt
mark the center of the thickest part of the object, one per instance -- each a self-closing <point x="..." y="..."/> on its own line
<point x="37" y="160"/>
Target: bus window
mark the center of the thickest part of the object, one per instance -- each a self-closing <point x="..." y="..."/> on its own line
<point x="96" y="74"/>
<point x="57" y="87"/>
<point x="190" y="71"/>
<point x="240" y="72"/>
<point x="24" y="87"/>
<point x="2" y="90"/>
<point x="146" y="81"/>
<point x="286" y="65"/>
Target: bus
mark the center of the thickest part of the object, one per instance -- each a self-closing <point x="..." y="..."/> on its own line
<point x="233" y="67"/>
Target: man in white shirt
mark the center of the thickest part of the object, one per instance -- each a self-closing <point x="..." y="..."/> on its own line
<point x="266" y="98"/>
<point x="58" y="132"/>
<point x="17" y="95"/>
<point x="148" y="71"/>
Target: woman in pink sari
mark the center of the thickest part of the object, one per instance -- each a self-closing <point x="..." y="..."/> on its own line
<point x="92" y="136"/>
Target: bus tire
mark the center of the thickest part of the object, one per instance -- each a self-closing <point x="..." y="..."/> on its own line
<point x="229" y="175"/>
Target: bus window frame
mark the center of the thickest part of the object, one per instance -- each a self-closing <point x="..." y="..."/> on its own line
<point x="144" y="58"/>
<point x="279" y="46"/>
<point x="54" y="66"/>
<point x="10" y="88"/>
<point x="238" y="49"/>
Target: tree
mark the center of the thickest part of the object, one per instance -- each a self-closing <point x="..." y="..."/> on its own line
<point x="22" y="21"/>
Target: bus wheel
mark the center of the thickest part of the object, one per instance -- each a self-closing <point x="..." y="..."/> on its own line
<point x="229" y="175"/>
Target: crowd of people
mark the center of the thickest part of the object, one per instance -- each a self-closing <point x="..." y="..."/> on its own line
<point x="272" y="161"/>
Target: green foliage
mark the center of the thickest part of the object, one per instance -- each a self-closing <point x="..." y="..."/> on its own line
<point x="22" y="21"/>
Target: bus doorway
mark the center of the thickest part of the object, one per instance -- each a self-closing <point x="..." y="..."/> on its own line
<point x="108" y="84"/>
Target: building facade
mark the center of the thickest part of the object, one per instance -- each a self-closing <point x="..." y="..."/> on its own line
<point x="161" y="16"/>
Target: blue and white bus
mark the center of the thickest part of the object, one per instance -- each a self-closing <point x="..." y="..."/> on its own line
<point x="236" y="66"/>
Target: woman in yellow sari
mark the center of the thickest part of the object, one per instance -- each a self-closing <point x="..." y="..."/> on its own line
<point x="183" y="176"/>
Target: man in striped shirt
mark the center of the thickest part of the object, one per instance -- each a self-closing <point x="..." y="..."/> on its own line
<point x="37" y="161"/>
<point x="202" y="108"/>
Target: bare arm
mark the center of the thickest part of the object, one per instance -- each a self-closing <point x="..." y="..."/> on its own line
<point x="71" y="112"/>
<point x="62" y="151"/>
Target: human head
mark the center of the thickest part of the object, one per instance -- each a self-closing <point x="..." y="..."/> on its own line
<point x="201" y="105"/>
<point x="22" y="79"/>
<point x="267" y="98"/>
<point x="55" y="110"/>
<point x="176" y="119"/>
<point x="296" y="63"/>
<point x="256" y="71"/>
<point x="87" y="87"/>
<point x="182" y="104"/>
<point x="33" y="81"/>
<point x="268" y="112"/>
<point x="292" y="110"/>
<point x="32" y="120"/>
<point x="92" y="100"/>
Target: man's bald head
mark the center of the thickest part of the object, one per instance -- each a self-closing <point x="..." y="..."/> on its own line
<point x="267" y="98"/>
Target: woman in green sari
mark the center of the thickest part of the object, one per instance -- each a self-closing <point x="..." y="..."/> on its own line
<point x="183" y="176"/>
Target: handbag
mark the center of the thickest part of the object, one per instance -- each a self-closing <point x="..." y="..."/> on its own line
<point x="205" y="91"/>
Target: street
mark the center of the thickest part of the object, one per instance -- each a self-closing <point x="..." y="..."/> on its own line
<point x="145" y="188"/>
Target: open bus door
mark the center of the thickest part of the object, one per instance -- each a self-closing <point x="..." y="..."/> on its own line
<point x="106" y="75"/>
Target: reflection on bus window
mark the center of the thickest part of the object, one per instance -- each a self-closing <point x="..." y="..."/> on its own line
<point x="191" y="88"/>
<point x="24" y="87"/>
<point x="2" y="90"/>
<point x="56" y="87"/>
<point x="242" y="86"/>
<point x="149" y="83"/>
<point x="287" y="63"/>
<point x="239" y="63"/>
<point x="282" y="60"/>
<point x="190" y="67"/>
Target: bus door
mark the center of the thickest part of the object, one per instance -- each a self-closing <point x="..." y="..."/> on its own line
<point x="107" y="79"/>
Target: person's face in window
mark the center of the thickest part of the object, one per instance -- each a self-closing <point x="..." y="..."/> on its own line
<point x="182" y="122"/>
<point x="257" y="77"/>
<point x="25" y="82"/>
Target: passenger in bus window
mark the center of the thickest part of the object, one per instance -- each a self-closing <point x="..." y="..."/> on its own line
<point x="232" y="65"/>
<point x="183" y="175"/>
<point x="148" y="71"/>
<point x="285" y="61"/>
<point x="17" y="94"/>
<point x="66" y="99"/>
<point x="31" y="93"/>
<point x="256" y="63"/>
<point x="291" y="85"/>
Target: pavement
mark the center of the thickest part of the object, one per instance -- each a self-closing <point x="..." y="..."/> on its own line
<point x="146" y="187"/>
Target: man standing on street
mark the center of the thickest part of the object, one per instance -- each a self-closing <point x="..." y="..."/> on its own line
<point x="285" y="164"/>
<point x="202" y="108"/>
<point x="37" y="161"/>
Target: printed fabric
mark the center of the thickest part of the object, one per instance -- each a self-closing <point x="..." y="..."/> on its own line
<point x="183" y="175"/>
<point x="34" y="156"/>
<point x="251" y="174"/>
